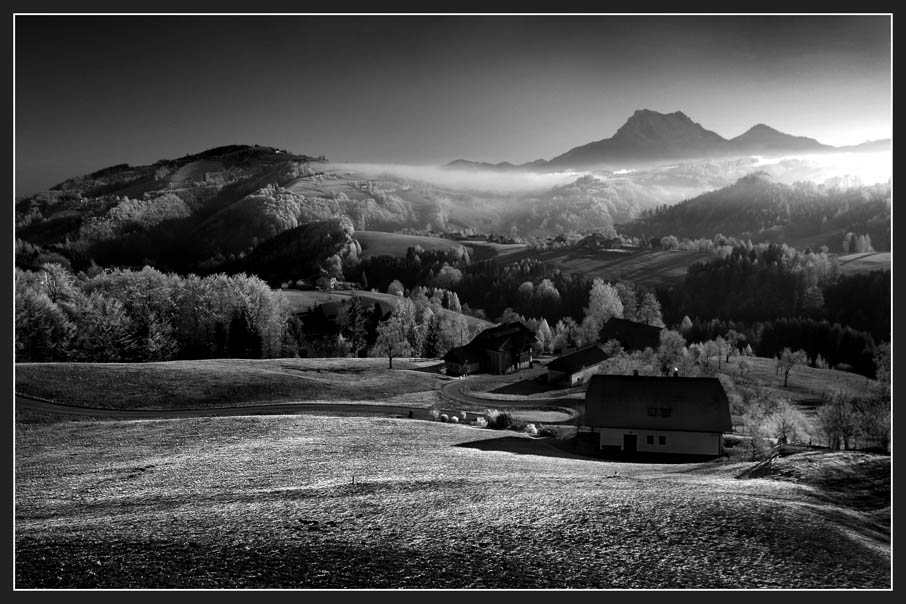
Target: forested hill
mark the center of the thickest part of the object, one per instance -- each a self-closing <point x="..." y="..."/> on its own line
<point x="802" y="215"/>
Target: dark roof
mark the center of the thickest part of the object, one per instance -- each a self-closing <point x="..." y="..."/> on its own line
<point x="575" y="361"/>
<point x="622" y="401"/>
<point x="464" y="354"/>
<point x="505" y="336"/>
<point x="630" y="334"/>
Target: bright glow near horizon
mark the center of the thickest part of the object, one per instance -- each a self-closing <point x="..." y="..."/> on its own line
<point x="870" y="168"/>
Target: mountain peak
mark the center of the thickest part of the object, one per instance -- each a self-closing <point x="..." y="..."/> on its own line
<point x="647" y="127"/>
<point x="762" y="137"/>
<point x="650" y="114"/>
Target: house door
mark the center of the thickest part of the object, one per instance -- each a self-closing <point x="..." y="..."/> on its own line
<point x="629" y="443"/>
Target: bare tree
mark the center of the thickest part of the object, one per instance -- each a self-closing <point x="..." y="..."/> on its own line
<point x="788" y="360"/>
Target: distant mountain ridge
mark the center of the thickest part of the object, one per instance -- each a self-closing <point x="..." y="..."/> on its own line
<point x="649" y="136"/>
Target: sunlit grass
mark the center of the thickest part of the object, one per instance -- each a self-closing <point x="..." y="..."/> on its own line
<point x="308" y="501"/>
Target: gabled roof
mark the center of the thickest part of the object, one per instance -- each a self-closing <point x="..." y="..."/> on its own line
<point x="631" y="334"/>
<point x="578" y="360"/>
<point x="504" y="336"/>
<point x="623" y="401"/>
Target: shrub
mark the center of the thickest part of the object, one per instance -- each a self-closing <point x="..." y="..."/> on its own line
<point x="480" y="422"/>
<point x="454" y="419"/>
<point x="531" y="429"/>
<point x="499" y="420"/>
<point x="548" y="431"/>
<point x="435" y="414"/>
<point x="444" y="417"/>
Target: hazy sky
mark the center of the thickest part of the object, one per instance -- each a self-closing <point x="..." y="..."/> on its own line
<point x="92" y="91"/>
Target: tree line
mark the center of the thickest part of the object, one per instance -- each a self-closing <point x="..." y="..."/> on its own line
<point x="123" y="315"/>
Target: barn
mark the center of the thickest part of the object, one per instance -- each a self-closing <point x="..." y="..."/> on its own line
<point x="576" y="367"/>
<point x="648" y="414"/>
<point x="499" y="349"/>
<point x="463" y="360"/>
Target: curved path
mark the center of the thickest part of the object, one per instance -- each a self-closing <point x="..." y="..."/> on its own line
<point x="456" y="391"/>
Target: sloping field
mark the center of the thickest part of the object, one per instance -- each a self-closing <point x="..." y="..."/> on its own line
<point x="650" y="267"/>
<point x="226" y="383"/>
<point x="195" y="171"/>
<point x="864" y="262"/>
<point x="376" y="243"/>
<point x="315" y="502"/>
<point x="336" y="184"/>
<point x="805" y="388"/>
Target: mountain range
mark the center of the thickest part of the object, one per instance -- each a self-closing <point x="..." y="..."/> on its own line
<point x="651" y="136"/>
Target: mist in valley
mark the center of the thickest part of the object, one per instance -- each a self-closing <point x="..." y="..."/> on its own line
<point x="538" y="203"/>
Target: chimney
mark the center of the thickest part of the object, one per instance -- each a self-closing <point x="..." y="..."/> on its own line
<point x="635" y="372"/>
<point x="675" y="372"/>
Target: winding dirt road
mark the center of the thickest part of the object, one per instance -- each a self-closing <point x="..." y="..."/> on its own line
<point x="549" y="410"/>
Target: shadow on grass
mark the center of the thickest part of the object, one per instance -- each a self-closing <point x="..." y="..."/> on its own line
<point x="524" y="388"/>
<point x="424" y="369"/>
<point x="570" y="449"/>
<point x="547" y="447"/>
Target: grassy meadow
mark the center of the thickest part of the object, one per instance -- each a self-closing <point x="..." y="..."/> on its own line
<point x="649" y="267"/>
<point x="863" y="262"/>
<point x="311" y="501"/>
<point x="317" y="502"/>
<point x="228" y="383"/>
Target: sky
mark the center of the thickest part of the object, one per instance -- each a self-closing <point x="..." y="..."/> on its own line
<point x="93" y="91"/>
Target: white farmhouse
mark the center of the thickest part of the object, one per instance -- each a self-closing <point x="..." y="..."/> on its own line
<point x="646" y="414"/>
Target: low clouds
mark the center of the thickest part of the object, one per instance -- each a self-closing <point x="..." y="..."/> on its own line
<point x="469" y="180"/>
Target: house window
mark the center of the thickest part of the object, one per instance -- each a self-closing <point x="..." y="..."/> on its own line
<point x="652" y="410"/>
<point x="649" y="440"/>
<point x="661" y="440"/>
<point x="665" y="411"/>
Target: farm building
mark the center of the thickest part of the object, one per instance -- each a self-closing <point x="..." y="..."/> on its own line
<point x="646" y="414"/>
<point x="497" y="349"/>
<point x="576" y="367"/>
<point x="630" y="334"/>
<point x="463" y="360"/>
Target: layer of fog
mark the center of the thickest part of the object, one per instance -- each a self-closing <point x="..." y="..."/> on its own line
<point x="486" y="181"/>
<point x="671" y="182"/>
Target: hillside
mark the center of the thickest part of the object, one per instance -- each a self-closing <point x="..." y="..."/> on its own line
<point x="303" y="501"/>
<point x="375" y="243"/>
<point x="758" y="208"/>
<point x="230" y="208"/>
<point x="226" y="382"/>
<point x="645" y="266"/>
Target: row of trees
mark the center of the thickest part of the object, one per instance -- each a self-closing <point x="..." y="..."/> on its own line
<point x="146" y="315"/>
